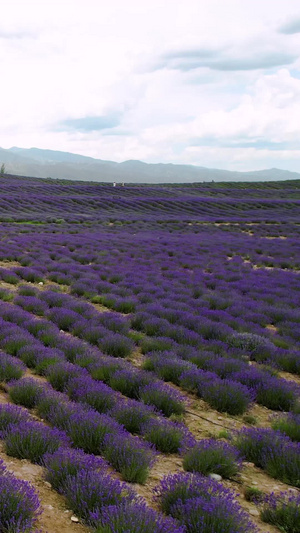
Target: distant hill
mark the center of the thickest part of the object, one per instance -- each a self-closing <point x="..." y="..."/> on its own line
<point x="64" y="165"/>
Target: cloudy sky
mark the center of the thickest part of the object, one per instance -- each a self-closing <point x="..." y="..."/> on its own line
<point x="214" y="83"/>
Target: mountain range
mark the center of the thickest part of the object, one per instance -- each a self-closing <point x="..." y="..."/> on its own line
<point x="36" y="162"/>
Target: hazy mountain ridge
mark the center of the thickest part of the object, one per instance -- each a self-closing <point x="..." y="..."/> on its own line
<point x="41" y="163"/>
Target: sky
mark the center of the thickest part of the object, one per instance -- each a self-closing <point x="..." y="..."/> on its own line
<point x="214" y="83"/>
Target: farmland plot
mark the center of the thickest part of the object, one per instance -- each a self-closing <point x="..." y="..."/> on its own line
<point x="149" y="356"/>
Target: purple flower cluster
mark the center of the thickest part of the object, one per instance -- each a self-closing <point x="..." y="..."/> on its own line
<point x="283" y="511"/>
<point x="86" y="428"/>
<point x="67" y="462"/>
<point x="19" y="504"/>
<point x="289" y="425"/>
<point x="31" y="440"/>
<point x="211" y="456"/>
<point x="165" y="400"/>
<point x="11" y="415"/>
<point x="200" y="504"/>
<point x="10" y="367"/>
<point x="272" y="451"/>
<point x="168" y="437"/>
<point x="135" y="517"/>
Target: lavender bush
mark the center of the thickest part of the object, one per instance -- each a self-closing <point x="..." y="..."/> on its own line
<point x="25" y="392"/>
<point x="31" y="440"/>
<point x="288" y="425"/>
<point x="10" y="368"/>
<point x="132" y="415"/>
<point x="116" y="345"/>
<point x="165" y="400"/>
<point x="227" y="396"/>
<point x="202" y="505"/>
<point x="88" y="493"/>
<point x="87" y="430"/>
<point x="95" y="394"/>
<point x="277" y="395"/>
<point x="272" y="451"/>
<point x="59" y="375"/>
<point x="65" y="463"/>
<point x="167" y="366"/>
<point x="19" y="505"/>
<point x="11" y="415"/>
<point x="211" y="456"/>
<point x="135" y="517"/>
<point x="128" y="456"/>
<point x="129" y="382"/>
<point x="167" y="437"/>
<point x="282" y="511"/>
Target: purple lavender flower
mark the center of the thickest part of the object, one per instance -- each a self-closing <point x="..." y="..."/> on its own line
<point x="32" y="304"/>
<point x="10" y="367"/>
<point x="116" y="345"/>
<point x="60" y="374"/>
<point x="202" y="504"/>
<point x="87" y="429"/>
<point x="167" y="366"/>
<point x="227" y="396"/>
<point x="134" y="517"/>
<point x="11" y="415"/>
<point x="132" y="414"/>
<point x="128" y="455"/>
<point x="283" y="511"/>
<point x="129" y="381"/>
<point x="212" y="514"/>
<point x="63" y="318"/>
<point x="93" y="393"/>
<point x="31" y="440"/>
<point x="66" y="462"/>
<point x="211" y="456"/>
<point x="19" y="505"/>
<point x="277" y="394"/>
<point x="163" y="398"/>
<point x="168" y="437"/>
<point x="272" y="451"/>
<point x="25" y="392"/>
<point x="288" y="425"/>
<point x="88" y="493"/>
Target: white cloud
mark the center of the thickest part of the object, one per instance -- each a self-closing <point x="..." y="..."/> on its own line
<point x="71" y="61"/>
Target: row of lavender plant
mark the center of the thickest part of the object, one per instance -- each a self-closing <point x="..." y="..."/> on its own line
<point x="205" y="505"/>
<point x="167" y="436"/>
<point x="121" y="376"/>
<point x="227" y="384"/>
<point x="19" y="504"/>
<point x="255" y="346"/>
<point x="214" y="306"/>
<point x="50" y="202"/>
<point x="81" y="478"/>
<point x="202" y="505"/>
<point x="228" y="376"/>
<point x="210" y="301"/>
<point x="280" y="461"/>
<point x="87" y="429"/>
<point x="268" y="390"/>
<point x="90" y="272"/>
<point x="94" y="427"/>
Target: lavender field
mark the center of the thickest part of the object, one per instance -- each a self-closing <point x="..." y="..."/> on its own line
<point x="149" y="357"/>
